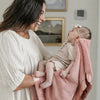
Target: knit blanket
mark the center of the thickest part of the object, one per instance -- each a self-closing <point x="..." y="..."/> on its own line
<point x="76" y="85"/>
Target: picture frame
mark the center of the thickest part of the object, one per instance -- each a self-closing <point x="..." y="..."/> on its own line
<point x="56" y="5"/>
<point x="52" y="31"/>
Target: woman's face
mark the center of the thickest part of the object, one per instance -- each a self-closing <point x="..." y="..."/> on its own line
<point x="35" y="25"/>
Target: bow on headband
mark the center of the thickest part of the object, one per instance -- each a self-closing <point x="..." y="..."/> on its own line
<point x="77" y="26"/>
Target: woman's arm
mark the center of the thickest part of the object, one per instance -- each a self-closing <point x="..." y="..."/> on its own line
<point x="28" y="82"/>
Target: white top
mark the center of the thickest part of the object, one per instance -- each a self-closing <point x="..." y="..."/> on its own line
<point x="18" y="56"/>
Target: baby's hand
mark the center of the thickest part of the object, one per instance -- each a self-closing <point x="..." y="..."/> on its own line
<point x="63" y="74"/>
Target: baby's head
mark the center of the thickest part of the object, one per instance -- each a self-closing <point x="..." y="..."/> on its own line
<point x="84" y="32"/>
<point x="79" y="31"/>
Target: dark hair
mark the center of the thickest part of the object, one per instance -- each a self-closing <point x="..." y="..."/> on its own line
<point x="21" y="12"/>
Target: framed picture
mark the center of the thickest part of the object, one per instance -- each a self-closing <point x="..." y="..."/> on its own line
<point x="56" y="5"/>
<point x="52" y="31"/>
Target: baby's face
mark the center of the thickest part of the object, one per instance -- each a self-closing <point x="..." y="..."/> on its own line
<point x="72" y="35"/>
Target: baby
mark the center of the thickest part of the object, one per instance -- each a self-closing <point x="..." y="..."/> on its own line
<point x="64" y="57"/>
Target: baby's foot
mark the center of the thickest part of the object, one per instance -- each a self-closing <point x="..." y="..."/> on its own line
<point x="39" y="74"/>
<point x="45" y="85"/>
<point x="64" y="74"/>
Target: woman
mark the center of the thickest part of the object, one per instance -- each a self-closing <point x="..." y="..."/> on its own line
<point x="20" y="48"/>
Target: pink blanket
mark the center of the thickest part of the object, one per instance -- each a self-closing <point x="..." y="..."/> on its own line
<point x="76" y="85"/>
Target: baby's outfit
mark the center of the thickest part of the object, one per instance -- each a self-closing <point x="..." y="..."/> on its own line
<point x="62" y="59"/>
<point x="64" y="56"/>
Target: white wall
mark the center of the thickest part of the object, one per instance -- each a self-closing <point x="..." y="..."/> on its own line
<point x="3" y="5"/>
<point x="92" y="22"/>
<point x="98" y="51"/>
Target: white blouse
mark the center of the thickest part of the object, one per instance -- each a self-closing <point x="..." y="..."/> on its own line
<point x="18" y="56"/>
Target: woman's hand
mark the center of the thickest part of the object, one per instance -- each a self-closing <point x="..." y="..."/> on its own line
<point x="36" y="79"/>
<point x="28" y="82"/>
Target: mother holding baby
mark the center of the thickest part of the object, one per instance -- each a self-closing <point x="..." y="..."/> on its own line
<point x="21" y="50"/>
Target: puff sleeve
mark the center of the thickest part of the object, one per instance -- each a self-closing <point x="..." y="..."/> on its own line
<point x="11" y="61"/>
<point x="45" y="53"/>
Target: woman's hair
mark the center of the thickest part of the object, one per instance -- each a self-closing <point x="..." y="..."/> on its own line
<point x="21" y="13"/>
<point x="85" y="32"/>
